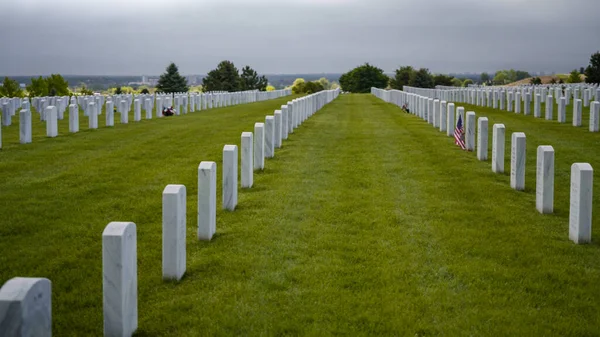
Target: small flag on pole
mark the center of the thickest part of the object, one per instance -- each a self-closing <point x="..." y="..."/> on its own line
<point x="459" y="136"/>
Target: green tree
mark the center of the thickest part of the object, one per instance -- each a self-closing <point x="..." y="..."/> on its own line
<point x="361" y="79"/>
<point x="83" y="90"/>
<point x="574" y="77"/>
<point x="402" y="77"/>
<point x="553" y="80"/>
<point x="224" y="78"/>
<point x="249" y="80"/>
<point x="535" y="81"/>
<point x="171" y="81"/>
<point x="485" y="78"/>
<point x="38" y="87"/>
<point x="592" y="72"/>
<point x="298" y="86"/>
<point x="324" y="83"/>
<point x="57" y="85"/>
<point x="270" y="88"/>
<point x="581" y="70"/>
<point x="500" y="78"/>
<point x="521" y="75"/>
<point x="312" y="87"/>
<point x="466" y="82"/>
<point x="144" y="90"/>
<point x="10" y="88"/>
<point x="118" y="91"/>
<point x="457" y="82"/>
<point x="442" y="80"/>
<point x="422" y="79"/>
<point x="334" y="85"/>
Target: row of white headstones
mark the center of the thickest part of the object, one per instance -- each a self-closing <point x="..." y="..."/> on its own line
<point x="25" y="303"/>
<point x="442" y="116"/>
<point x="52" y="109"/>
<point x="519" y="99"/>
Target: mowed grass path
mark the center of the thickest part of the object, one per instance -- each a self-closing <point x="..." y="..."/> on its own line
<point x="367" y="222"/>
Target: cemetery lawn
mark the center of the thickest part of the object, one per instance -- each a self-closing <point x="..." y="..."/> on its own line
<point x="367" y="222"/>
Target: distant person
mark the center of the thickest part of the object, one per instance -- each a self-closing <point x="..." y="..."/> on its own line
<point x="405" y="107"/>
<point x="168" y="111"/>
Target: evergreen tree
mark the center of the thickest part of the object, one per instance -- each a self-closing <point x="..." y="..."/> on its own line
<point x="249" y="80"/>
<point x="171" y="81"/>
<point x="592" y="72"/>
<point x="224" y="78"/>
<point x="38" y="87"/>
<point x="402" y="77"/>
<point x="422" y="79"/>
<point x="485" y="77"/>
<point x="57" y="85"/>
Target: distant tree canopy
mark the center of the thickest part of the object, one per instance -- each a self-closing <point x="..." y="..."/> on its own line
<point x="443" y="80"/>
<point x="144" y="91"/>
<point x="10" y="88"/>
<point x="54" y="85"/>
<point x="485" y="78"/>
<point x="83" y="90"/>
<point x="574" y="77"/>
<point x="270" y="88"/>
<point x="592" y="72"/>
<point x="361" y="79"/>
<point x="224" y="78"/>
<point x="324" y="83"/>
<point x="508" y="76"/>
<point x="535" y="81"/>
<point x="118" y="91"/>
<point x="423" y="79"/>
<point x="171" y="81"/>
<point x="312" y="87"/>
<point x="466" y="82"/>
<point x="457" y="82"/>
<point x="404" y="76"/>
<point x="249" y="80"/>
<point x="298" y="86"/>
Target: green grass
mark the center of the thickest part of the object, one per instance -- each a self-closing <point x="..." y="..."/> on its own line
<point x="367" y="222"/>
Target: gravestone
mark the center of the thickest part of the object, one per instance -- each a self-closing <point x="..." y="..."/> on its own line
<point x="291" y="116"/>
<point x="562" y="115"/>
<point x="159" y="107"/>
<point x="549" y="107"/>
<point x="26" y="307"/>
<point x="148" y="108"/>
<point x="470" y="131"/>
<point x="527" y="104"/>
<point x="544" y="187"/>
<point x="537" y="108"/>
<point x="430" y="111"/>
<point x="259" y="146"/>
<point x="517" y="161"/>
<point x="110" y="114"/>
<point x="576" y="112"/>
<point x="450" y="120"/>
<point x="580" y="214"/>
<point x="443" y="115"/>
<point x="498" y="134"/>
<point x="278" y="128"/>
<point x="284" y="122"/>
<point x="124" y="112"/>
<point x="51" y="121"/>
<point x="518" y="102"/>
<point x="269" y="137"/>
<point x="230" y="175"/>
<point x="482" y="138"/>
<point x="25" y="126"/>
<point x="92" y="115"/>
<point x="6" y="114"/>
<point x="594" y="111"/>
<point x="119" y="279"/>
<point x="137" y="111"/>
<point x="436" y="113"/>
<point x="173" y="232"/>
<point x="247" y="160"/>
<point x="207" y="200"/>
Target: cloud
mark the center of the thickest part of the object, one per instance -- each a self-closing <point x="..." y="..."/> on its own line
<point x="295" y="36"/>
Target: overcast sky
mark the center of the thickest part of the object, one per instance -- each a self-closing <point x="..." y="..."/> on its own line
<point x="131" y="37"/>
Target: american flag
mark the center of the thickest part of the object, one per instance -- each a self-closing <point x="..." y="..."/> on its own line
<point x="459" y="136"/>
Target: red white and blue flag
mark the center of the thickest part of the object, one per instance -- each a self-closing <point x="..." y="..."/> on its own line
<point x="459" y="134"/>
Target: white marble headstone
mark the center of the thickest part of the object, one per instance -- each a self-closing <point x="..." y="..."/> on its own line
<point x="269" y="137"/>
<point x="482" y="138"/>
<point x="173" y="232"/>
<point x="230" y="177"/>
<point x="470" y="131"/>
<point x="498" y="138"/>
<point x="26" y="307"/>
<point x="517" y="161"/>
<point x="25" y="126"/>
<point x="247" y="154"/>
<point x="544" y="188"/>
<point x="580" y="214"/>
<point x="259" y="146"/>
<point x="207" y="200"/>
<point x="119" y="279"/>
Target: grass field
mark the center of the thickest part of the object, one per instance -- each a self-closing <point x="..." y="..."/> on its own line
<point x="367" y="222"/>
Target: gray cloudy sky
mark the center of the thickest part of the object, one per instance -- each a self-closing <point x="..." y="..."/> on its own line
<point x="131" y="37"/>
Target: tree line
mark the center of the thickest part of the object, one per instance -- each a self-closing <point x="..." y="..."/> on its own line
<point x="362" y="78"/>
